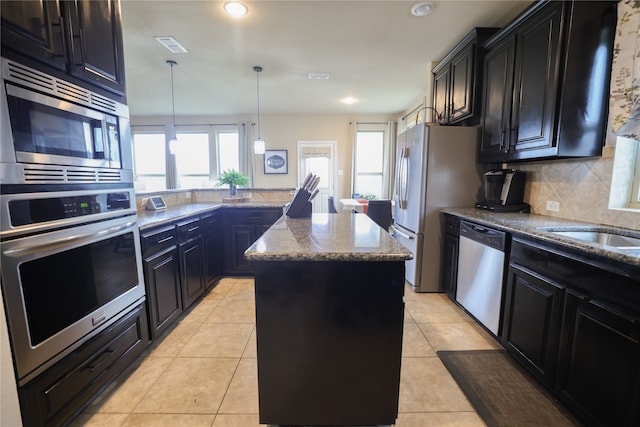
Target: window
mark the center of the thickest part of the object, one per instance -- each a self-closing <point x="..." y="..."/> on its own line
<point x="228" y="150"/>
<point x="192" y="160"/>
<point x="369" y="163"/>
<point x="200" y="156"/>
<point x="149" y="163"/>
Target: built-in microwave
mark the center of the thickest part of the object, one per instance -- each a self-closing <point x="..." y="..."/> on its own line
<point x="57" y="132"/>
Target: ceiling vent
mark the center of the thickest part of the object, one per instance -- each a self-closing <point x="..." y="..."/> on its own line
<point x="318" y="76"/>
<point x="171" y="44"/>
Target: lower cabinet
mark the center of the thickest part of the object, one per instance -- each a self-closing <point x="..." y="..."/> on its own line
<point x="574" y="322"/>
<point x="163" y="289"/>
<point x="532" y="321"/>
<point x="243" y="227"/>
<point x="192" y="271"/>
<point x="450" y="244"/>
<point x="599" y="362"/>
<point x="62" y="391"/>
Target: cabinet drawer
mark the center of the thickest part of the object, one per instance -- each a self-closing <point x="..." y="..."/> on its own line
<point x="262" y="216"/>
<point x="210" y="220"/>
<point x="58" y="394"/>
<point x="158" y="239"/>
<point x="188" y="229"/>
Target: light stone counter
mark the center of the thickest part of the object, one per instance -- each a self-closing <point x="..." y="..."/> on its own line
<point x="150" y="218"/>
<point x="327" y="237"/>
<point x="539" y="226"/>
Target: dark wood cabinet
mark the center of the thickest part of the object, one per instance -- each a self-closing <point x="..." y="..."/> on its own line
<point x="243" y="227"/>
<point x="162" y="280"/>
<point x="573" y="320"/>
<point x="96" y="43"/>
<point x="599" y="365"/>
<point x="77" y="40"/>
<point x="539" y="100"/>
<point x="531" y="323"/>
<point x="458" y="77"/>
<point x="57" y="395"/>
<point x="35" y="29"/>
<point x="450" y="246"/>
<point x="190" y="252"/>
<point x="212" y="242"/>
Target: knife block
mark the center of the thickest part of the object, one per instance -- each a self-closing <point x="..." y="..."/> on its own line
<point x="300" y="206"/>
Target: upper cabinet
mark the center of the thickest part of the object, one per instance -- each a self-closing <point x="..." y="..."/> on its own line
<point x="546" y="83"/>
<point x="80" y="38"/>
<point x="457" y="78"/>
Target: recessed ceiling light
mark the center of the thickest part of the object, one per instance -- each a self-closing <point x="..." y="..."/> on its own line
<point x="171" y="44"/>
<point x="422" y="9"/>
<point x="318" y="76"/>
<point x="349" y="100"/>
<point x="235" y="8"/>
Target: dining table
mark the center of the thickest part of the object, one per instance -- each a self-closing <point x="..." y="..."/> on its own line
<point x="358" y="205"/>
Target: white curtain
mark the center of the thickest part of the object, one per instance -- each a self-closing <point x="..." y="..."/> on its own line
<point x="389" y="159"/>
<point x="247" y="156"/>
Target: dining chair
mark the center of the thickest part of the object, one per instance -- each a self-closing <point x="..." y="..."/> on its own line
<point x="332" y="205"/>
<point x="380" y="212"/>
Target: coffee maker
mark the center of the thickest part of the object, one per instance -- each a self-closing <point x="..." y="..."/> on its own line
<point x="504" y="191"/>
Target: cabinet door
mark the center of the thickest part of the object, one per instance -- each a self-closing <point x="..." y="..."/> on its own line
<point x="239" y="238"/>
<point x="599" y="364"/>
<point x="96" y="46"/>
<point x="450" y="265"/>
<point x="531" y="321"/>
<point x="211" y="243"/>
<point x="441" y="82"/>
<point x="164" y="296"/>
<point x="34" y="28"/>
<point x="496" y="101"/>
<point x="536" y="80"/>
<point x="192" y="272"/>
<point x="462" y="67"/>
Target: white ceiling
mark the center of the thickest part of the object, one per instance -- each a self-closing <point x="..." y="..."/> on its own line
<point x="375" y="51"/>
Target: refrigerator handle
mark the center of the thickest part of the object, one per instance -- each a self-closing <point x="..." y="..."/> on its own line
<point x="401" y="234"/>
<point x="403" y="177"/>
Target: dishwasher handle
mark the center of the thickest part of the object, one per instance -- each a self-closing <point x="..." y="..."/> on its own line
<point x="487" y="236"/>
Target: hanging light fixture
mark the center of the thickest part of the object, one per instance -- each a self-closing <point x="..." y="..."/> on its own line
<point x="173" y="142"/>
<point x="258" y="144"/>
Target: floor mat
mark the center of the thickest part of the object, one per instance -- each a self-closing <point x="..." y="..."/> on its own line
<point x="502" y="392"/>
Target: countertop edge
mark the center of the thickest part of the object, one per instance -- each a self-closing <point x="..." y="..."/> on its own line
<point x="537" y="227"/>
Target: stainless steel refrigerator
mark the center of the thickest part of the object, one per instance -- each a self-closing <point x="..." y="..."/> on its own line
<point x="435" y="168"/>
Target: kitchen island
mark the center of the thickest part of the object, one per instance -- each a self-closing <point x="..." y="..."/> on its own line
<point x="329" y="320"/>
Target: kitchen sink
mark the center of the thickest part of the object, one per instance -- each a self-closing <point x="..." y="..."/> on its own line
<point x="606" y="238"/>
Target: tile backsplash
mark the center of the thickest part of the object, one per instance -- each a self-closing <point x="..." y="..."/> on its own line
<point x="581" y="187"/>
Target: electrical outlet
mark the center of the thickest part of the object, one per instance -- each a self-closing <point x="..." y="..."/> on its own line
<point x="188" y="194"/>
<point x="553" y="206"/>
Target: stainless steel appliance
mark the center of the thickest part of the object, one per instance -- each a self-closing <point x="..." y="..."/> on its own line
<point x="56" y="132"/>
<point x="70" y="267"/>
<point x="69" y="245"/>
<point x="435" y="168"/>
<point x="504" y="191"/>
<point x="480" y="273"/>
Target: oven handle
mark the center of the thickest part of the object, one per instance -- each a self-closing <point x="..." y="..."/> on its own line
<point x="53" y="244"/>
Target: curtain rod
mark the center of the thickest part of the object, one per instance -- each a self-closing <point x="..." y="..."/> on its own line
<point x="370" y="123"/>
<point x="186" y="125"/>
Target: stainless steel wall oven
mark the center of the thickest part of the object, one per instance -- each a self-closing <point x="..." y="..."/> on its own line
<point x="70" y="259"/>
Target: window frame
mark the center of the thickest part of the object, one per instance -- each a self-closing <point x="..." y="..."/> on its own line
<point x="370" y="128"/>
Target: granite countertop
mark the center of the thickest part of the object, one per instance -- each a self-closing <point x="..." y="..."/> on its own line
<point x="327" y="237"/>
<point x="150" y="218"/>
<point x="540" y="226"/>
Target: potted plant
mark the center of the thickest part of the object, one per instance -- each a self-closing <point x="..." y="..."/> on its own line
<point x="233" y="178"/>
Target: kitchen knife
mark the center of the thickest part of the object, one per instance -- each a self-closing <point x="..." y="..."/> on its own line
<point x="314" y="194"/>
<point x="306" y="180"/>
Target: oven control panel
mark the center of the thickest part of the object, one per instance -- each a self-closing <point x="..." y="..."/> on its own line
<point x="38" y="210"/>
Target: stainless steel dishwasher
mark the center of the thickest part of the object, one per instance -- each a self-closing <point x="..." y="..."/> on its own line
<point x="480" y="273"/>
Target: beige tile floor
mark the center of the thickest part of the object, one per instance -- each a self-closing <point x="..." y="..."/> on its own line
<point x="203" y="372"/>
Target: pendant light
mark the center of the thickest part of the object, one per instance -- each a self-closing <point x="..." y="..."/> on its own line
<point x="258" y="144"/>
<point x="173" y="142"/>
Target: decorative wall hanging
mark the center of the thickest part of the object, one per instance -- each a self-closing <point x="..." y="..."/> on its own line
<point x="275" y="161"/>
